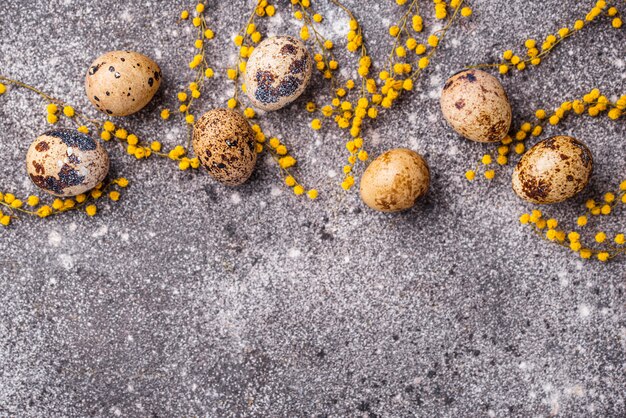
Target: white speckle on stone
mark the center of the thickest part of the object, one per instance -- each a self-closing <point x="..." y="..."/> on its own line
<point x="126" y="16"/>
<point x="453" y="150"/>
<point x="116" y="411"/>
<point x="584" y="311"/>
<point x="432" y="118"/>
<point x="375" y="137"/>
<point x="576" y="390"/>
<point x="100" y="232"/>
<point x="435" y="80"/>
<point x="294" y="253"/>
<point x="124" y="236"/>
<point x="491" y="413"/>
<point x="235" y="198"/>
<point x="66" y="261"/>
<point x="52" y="280"/>
<point x="332" y="174"/>
<point x="619" y="63"/>
<point x="130" y="338"/>
<point x="340" y="26"/>
<point x="275" y="191"/>
<point x="54" y="238"/>
<point x="434" y="94"/>
<point x="158" y="54"/>
<point x="72" y="227"/>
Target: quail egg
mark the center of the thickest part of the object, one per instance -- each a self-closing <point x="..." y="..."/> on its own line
<point x="65" y="162"/>
<point x="225" y="143"/>
<point x="277" y="72"/>
<point x="553" y="170"/>
<point x="120" y="83"/>
<point x="476" y="106"/>
<point x="395" y="180"/>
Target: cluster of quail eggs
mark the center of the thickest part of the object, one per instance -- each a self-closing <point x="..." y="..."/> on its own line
<point x="67" y="163"/>
<point x="277" y="73"/>
<point x="474" y="103"/>
<point x="476" y="106"/>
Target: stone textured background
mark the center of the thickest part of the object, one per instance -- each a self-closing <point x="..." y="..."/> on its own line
<point x="187" y="298"/>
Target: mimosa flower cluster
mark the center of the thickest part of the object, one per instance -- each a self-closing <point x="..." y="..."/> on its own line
<point x="537" y="50"/>
<point x="354" y="102"/>
<point x="599" y="244"/>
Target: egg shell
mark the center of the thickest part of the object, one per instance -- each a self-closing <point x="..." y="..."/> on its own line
<point x="395" y="180"/>
<point x="277" y="72"/>
<point x="65" y="162"/>
<point x="476" y="106"/>
<point x="120" y="83"/>
<point x="225" y="143"/>
<point x="553" y="170"/>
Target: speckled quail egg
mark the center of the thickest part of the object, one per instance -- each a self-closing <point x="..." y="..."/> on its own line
<point x="553" y="170"/>
<point x="395" y="180"/>
<point x="65" y="162"/>
<point x="476" y="106"/>
<point x="120" y="83"/>
<point x="277" y="72"/>
<point x="225" y="143"/>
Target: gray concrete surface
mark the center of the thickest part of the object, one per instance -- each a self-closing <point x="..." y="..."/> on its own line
<point x="190" y="299"/>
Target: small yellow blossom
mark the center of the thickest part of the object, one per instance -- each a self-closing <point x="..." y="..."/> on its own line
<point x="122" y="182"/>
<point x="91" y="210"/>
<point x="249" y="112"/>
<point x="290" y="181"/>
<point x="68" y="111"/>
<point x="32" y="201"/>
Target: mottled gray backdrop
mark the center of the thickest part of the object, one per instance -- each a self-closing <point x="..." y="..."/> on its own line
<point x="187" y="298"/>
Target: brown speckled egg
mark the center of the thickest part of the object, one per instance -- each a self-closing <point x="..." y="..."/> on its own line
<point x="65" y="162"/>
<point x="120" y="83"/>
<point x="395" y="180"/>
<point x="476" y="106"/>
<point x="277" y="72"/>
<point x="553" y="170"/>
<point x="225" y="143"/>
